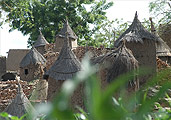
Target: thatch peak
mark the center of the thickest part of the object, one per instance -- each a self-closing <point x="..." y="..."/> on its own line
<point x="20" y="105"/>
<point x="137" y="33"/>
<point x="41" y="41"/>
<point x="32" y="57"/>
<point x="67" y="28"/>
<point x="66" y="64"/>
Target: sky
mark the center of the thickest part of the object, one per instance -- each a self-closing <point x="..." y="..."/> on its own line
<point x="121" y="9"/>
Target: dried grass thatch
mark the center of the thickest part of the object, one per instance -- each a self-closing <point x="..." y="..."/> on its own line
<point x="66" y="65"/>
<point x="32" y="58"/>
<point x="136" y="33"/>
<point x="20" y="105"/>
<point x="41" y="41"/>
<point x="67" y="28"/>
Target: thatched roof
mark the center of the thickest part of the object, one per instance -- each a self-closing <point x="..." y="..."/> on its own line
<point x="136" y="33"/>
<point x="163" y="49"/>
<point x="66" y="65"/>
<point x="41" y="41"/>
<point x="32" y="58"/>
<point x="20" y="104"/>
<point x="67" y="28"/>
<point x="117" y="62"/>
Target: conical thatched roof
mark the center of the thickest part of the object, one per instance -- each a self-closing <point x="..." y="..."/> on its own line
<point x="33" y="57"/>
<point x="123" y="62"/>
<point x="66" y="65"/>
<point x="20" y="105"/>
<point x="136" y="33"/>
<point x="163" y="49"/>
<point x="67" y="28"/>
<point x="41" y="41"/>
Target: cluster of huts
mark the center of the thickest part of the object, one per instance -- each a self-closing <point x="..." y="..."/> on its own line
<point x="136" y="47"/>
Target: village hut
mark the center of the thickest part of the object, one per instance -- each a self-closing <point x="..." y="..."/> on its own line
<point x="41" y="43"/>
<point x="31" y="64"/>
<point x="20" y="105"/>
<point x="60" y="37"/>
<point x="64" y="68"/>
<point x="142" y="44"/>
<point x="116" y="63"/>
<point x="163" y="50"/>
<point x="2" y="66"/>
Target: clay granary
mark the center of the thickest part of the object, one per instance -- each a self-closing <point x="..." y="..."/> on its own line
<point x="142" y="43"/>
<point x="60" y="37"/>
<point x="41" y="43"/>
<point x="64" y="68"/>
<point x="32" y="65"/>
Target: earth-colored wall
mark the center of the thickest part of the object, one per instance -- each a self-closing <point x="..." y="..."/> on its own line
<point x="14" y="58"/>
<point x="145" y="54"/>
<point x="59" y="43"/>
<point x="2" y="66"/>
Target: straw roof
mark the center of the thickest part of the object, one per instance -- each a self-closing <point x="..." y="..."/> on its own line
<point x="163" y="49"/>
<point x="66" y="65"/>
<point x="41" y="41"/>
<point x="136" y="33"/>
<point x="67" y="28"/>
<point x="33" y="57"/>
<point x="20" y="104"/>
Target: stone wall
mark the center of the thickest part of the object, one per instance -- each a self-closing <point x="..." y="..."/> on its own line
<point x="2" y="66"/>
<point x="14" y="58"/>
<point x="145" y="54"/>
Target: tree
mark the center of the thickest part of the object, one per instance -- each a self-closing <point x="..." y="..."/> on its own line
<point x="161" y="10"/>
<point x="30" y="16"/>
<point x="109" y="32"/>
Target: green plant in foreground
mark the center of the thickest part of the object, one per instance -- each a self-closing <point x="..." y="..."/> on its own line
<point x="101" y="105"/>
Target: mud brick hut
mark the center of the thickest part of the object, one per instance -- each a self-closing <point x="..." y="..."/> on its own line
<point x="64" y="68"/>
<point x="20" y="105"/>
<point x="116" y="63"/>
<point x="142" y="44"/>
<point x="60" y="37"/>
<point x="31" y="65"/>
<point x="41" y="43"/>
<point x="163" y="50"/>
<point x="2" y="66"/>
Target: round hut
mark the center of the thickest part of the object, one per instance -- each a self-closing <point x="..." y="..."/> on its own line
<point x="60" y="37"/>
<point x="163" y="51"/>
<point x="20" y="105"/>
<point x="116" y="63"/>
<point x="31" y="64"/>
<point x="40" y="44"/>
<point x="64" y="68"/>
<point x="142" y="43"/>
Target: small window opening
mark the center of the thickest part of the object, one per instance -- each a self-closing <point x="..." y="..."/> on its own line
<point x="26" y="71"/>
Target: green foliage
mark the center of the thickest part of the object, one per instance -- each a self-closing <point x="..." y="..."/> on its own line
<point x="28" y="16"/>
<point x="101" y="105"/>
<point x="109" y="31"/>
<point x="161" y="10"/>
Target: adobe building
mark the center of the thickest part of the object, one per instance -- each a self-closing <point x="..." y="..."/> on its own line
<point x="40" y="44"/>
<point x="14" y="58"/>
<point x="142" y="43"/>
<point x="64" y="68"/>
<point x="2" y="66"/>
<point x="31" y="65"/>
<point x="60" y="37"/>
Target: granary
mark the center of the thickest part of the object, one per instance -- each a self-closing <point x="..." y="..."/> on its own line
<point x="116" y="63"/>
<point x="41" y="43"/>
<point x="2" y="66"/>
<point x="60" y="37"/>
<point x="31" y="66"/>
<point x="20" y="105"/>
<point x="64" y="68"/>
<point x="142" y="44"/>
<point x="163" y="51"/>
